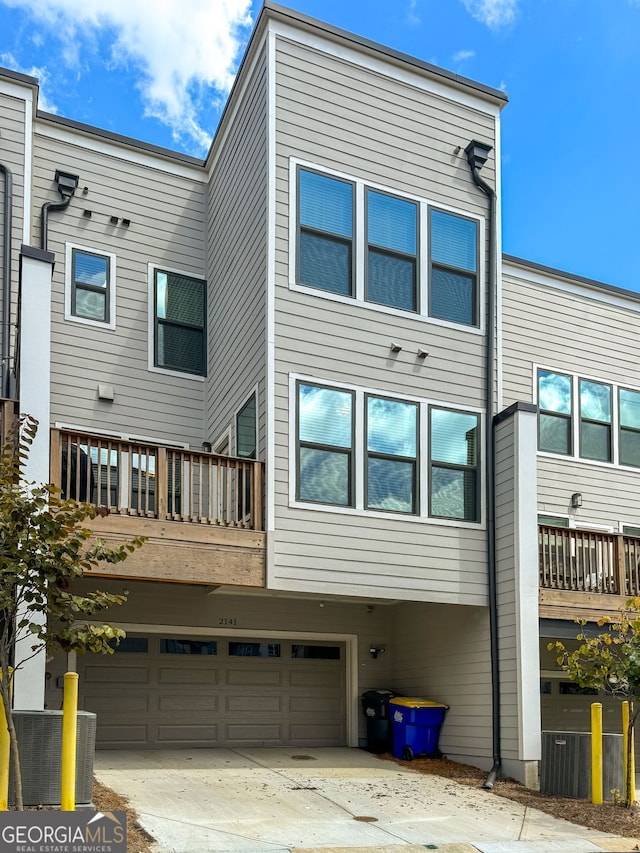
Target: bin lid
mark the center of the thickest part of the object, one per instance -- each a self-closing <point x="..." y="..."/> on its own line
<point x="415" y="702"/>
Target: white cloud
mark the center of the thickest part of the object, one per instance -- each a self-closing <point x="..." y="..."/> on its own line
<point x="181" y="49"/>
<point x="412" y="16"/>
<point x="41" y="73"/>
<point x="494" y="13"/>
<point x="461" y="55"/>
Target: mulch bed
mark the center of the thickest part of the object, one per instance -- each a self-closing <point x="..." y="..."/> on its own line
<point x="104" y="799"/>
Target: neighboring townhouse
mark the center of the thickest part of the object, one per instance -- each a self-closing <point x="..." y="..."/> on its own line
<point x="297" y="368"/>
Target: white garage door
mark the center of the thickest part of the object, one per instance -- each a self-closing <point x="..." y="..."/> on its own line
<point x="171" y="691"/>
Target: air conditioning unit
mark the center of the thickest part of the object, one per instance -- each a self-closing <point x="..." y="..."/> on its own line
<point x="565" y="770"/>
<point x="40" y="741"/>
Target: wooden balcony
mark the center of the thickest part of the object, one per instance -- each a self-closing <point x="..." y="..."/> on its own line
<point x="586" y="573"/>
<point x="8" y="411"/>
<point x="203" y="513"/>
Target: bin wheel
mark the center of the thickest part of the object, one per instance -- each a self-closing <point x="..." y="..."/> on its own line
<point x="437" y="753"/>
<point x="407" y="754"/>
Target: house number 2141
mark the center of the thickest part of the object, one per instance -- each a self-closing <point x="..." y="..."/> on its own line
<point x="224" y="621"/>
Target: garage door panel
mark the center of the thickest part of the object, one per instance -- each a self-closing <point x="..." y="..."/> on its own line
<point x="183" y="734"/>
<point x="316" y="678"/>
<point x="188" y="702"/>
<point x="187" y="675"/>
<point x="126" y="735"/>
<point x="314" y="734"/>
<point x="248" y="704"/>
<point x="248" y="733"/>
<point x="109" y="674"/>
<point x="332" y="705"/>
<point x="117" y="702"/>
<point x="249" y="677"/>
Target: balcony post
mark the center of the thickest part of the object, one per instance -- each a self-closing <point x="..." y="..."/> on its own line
<point x="620" y="565"/>
<point x="162" y="483"/>
<point x="258" y="510"/>
<point x="55" y="459"/>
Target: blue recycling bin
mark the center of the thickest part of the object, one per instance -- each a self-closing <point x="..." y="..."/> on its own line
<point x="416" y="726"/>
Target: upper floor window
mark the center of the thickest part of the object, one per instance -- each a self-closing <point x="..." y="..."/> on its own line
<point x="179" y="322"/>
<point x="325" y="250"/>
<point x="577" y="417"/>
<point x="362" y="451"/>
<point x="246" y="429"/>
<point x="90" y="286"/>
<point x="454" y="265"/>
<point x="356" y="241"/>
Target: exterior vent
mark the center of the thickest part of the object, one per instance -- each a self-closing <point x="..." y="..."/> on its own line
<point x="40" y="740"/>
<point x="565" y="770"/>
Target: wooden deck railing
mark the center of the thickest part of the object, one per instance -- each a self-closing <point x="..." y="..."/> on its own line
<point x="142" y="479"/>
<point x="7" y="415"/>
<point x="588" y="561"/>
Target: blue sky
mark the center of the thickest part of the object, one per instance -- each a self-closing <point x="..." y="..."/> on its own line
<point x="159" y="70"/>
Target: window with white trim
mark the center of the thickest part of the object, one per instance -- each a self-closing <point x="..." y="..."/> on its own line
<point x="179" y="322"/>
<point x="90" y="286"/>
<point x="629" y="429"/>
<point x="361" y="450"/>
<point x="246" y="429"/>
<point x="341" y="220"/>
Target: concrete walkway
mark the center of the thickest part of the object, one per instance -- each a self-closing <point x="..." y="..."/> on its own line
<point x="322" y="800"/>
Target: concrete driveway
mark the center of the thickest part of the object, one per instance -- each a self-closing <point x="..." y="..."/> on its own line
<point x="276" y="800"/>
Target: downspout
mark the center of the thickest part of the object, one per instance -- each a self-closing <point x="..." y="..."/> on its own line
<point x="66" y="187"/>
<point x="5" y="373"/>
<point x="477" y="154"/>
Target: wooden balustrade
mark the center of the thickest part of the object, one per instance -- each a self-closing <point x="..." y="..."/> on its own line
<point x="7" y="416"/>
<point x="588" y="561"/>
<point x="141" y="479"/>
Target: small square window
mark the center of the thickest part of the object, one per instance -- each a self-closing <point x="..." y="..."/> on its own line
<point x="89" y="286"/>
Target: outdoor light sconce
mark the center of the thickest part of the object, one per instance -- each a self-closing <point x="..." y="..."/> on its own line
<point x="395" y="347"/>
<point x="374" y="651"/>
<point x="576" y="500"/>
<point x="206" y="446"/>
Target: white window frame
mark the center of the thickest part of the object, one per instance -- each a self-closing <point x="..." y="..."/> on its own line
<point x="575" y="457"/>
<point x="151" y="327"/>
<point x="358" y="450"/>
<point x="68" y="286"/>
<point x="359" y="239"/>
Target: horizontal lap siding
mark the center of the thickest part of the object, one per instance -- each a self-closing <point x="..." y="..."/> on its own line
<point x="167" y="221"/>
<point x="12" y="155"/>
<point x="237" y="246"/>
<point x="344" y="117"/>
<point x="584" y="335"/>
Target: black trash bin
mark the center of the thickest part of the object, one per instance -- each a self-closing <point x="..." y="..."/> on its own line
<point x="375" y="704"/>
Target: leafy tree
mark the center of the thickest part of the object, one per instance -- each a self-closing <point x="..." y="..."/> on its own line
<point x="610" y="661"/>
<point x="43" y="547"/>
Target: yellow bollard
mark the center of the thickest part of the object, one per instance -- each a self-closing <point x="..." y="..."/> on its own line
<point x="69" y="722"/>
<point x="625" y="751"/>
<point x="5" y="754"/>
<point x="596" y="753"/>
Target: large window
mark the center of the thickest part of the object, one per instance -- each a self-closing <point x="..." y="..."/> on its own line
<point x="392" y="247"/>
<point x="325" y="252"/>
<point x="454" y="266"/>
<point x="246" y="429"/>
<point x="555" y="404"/>
<point x="453" y="488"/>
<point x="379" y="248"/>
<point x="367" y="452"/>
<point x="588" y="419"/>
<point x="179" y="310"/>
<point x="325" y="445"/>
<point x="90" y="286"/>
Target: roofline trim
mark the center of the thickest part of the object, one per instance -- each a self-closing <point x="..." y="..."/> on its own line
<point x="19" y="77"/>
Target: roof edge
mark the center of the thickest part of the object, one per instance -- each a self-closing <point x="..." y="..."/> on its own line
<point x="592" y="283"/>
<point x="284" y="13"/>
<point x="19" y="77"/>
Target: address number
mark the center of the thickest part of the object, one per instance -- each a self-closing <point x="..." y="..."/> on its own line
<point x="224" y="621"/>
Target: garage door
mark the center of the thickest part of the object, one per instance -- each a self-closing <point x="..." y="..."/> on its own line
<point x="171" y="691"/>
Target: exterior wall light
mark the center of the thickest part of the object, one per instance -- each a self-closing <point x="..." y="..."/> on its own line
<point x="576" y="500"/>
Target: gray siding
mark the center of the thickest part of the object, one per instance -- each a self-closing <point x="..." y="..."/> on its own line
<point x="339" y="115"/>
<point x="442" y="653"/>
<point x="236" y="262"/>
<point x="167" y="214"/>
<point x="12" y="155"/>
<point x="584" y="334"/>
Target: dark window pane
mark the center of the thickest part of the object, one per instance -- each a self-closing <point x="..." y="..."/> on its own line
<point x="454" y="437"/>
<point x="453" y="241"/>
<point x="392" y="222"/>
<point x="325" y="263"/>
<point x="254" y="650"/>
<point x="629" y="530"/>
<point x="569" y="688"/>
<point x="324" y="476"/>
<point x="246" y="430"/>
<point x="90" y="304"/>
<point x="545" y="686"/>
<point x="390" y="485"/>
<point x="629" y="409"/>
<point x="180" y="299"/>
<point x="554" y="392"/>
<point x="90" y="269"/>
<point x="595" y="441"/>
<point x="555" y="434"/>
<point x="315" y="652"/>
<point x="629" y="448"/>
<point x="180" y="348"/>
<point x="325" y="415"/>
<point x="553" y="520"/>
<point x="595" y="401"/>
<point x="131" y="645"/>
<point x="188" y="647"/>
<point x="391" y="281"/>
<point x="452" y="297"/>
<point x="391" y="427"/>
<point x="453" y="494"/>
<point x="326" y="203"/>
